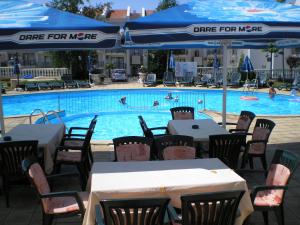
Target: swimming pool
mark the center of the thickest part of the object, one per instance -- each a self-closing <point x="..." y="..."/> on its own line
<point x="117" y="119"/>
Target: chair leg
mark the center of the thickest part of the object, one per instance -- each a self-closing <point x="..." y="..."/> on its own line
<point x="47" y="219"/>
<point x="83" y="181"/>
<point x="265" y="216"/>
<point x="6" y="190"/>
<point x="264" y="163"/>
<point x="279" y="214"/>
<point x="251" y="162"/>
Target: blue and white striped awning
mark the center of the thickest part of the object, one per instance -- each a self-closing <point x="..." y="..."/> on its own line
<point x="25" y="25"/>
<point x="203" y="23"/>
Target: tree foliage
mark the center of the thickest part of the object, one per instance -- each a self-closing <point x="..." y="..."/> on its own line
<point x="158" y="59"/>
<point x="292" y="61"/>
<point x="165" y="4"/>
<point x="76" y="61"/>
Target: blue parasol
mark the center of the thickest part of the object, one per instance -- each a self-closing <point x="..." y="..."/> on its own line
<point x="247" y="66"/>
<point x="172" y="61"/>
<point x="16" y="69"/>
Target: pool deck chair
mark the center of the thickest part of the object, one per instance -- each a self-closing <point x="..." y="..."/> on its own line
<point x="262" y="79"/>
<point x="150" y="80"/>
<point x="169" y="79"/>
<point x="31" y="87"/>
<point x="44" y="86"/>
<point x="250" y="86"/>
<point x="57" y="85"/>
<point x="217" y="81"/>
<point x="235" y="79"/>
<point x="83" y="84"/>
<point x="203" y="80"/>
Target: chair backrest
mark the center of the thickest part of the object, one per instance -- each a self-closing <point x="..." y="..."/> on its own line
<point x="245" y="120"/>
<point x="89" y="133"/>
<point x="12" y="154"/>
<point x="37" y="177"/>
<point x="226" y="147"/>
<point x="169" y="76"/>
<point x="147" y="132"/>
<point x="262" y="131"/>
<point x="183" y="112"/>
<point x="283" y="165"/>
<point x="217" y="208"/>
<point x="144" y="211"/>
<point x="172" y="147"/>
<point x="132" y="148"/>
<point x="151" y="77"/>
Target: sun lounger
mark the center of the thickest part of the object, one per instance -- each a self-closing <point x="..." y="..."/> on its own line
<point x="57" y="85"/>
<point x="169" y="79"/>
<point x="203" y="80"/>
<point x="71" y="84"/>
<point x="31" y="87"/>
<point x="83" y="84"/>
<point x="217" y="81"/>
<point x="150" y="80"/>
<point x="250" y="85"/>
<point x="187" y="80"/>
<point x="43" y="86"/>
<point x="235" y="79"/>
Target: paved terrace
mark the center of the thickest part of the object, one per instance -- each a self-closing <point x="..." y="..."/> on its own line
<point x="25" y="209"/>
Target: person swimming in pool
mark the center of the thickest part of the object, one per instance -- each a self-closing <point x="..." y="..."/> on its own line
<point x="123" y="100"/>
<point x="169" y="96"/>
<point x="155" y="103"/>
<point x="272" y="91"/>
<point x="176" y="99"/>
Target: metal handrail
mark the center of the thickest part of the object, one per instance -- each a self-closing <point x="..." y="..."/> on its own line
<point x="45" y="117"/>
<point x="57" y="116"/>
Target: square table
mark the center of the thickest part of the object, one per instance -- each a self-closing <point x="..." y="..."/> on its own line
<point x="206" y="127"/>
<point x="170" y="178"/>
<point x="49" y="137"/>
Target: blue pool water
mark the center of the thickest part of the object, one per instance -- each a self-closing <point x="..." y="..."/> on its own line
<point x="117" y="120"/>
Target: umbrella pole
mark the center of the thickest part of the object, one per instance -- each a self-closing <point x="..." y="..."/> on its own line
<point x="225" y="54"/>
<point x="1" y="114"/>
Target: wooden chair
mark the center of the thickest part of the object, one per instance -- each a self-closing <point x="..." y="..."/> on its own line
<point x="243" y="123"/>
<point x="76" y="150"/>
<point x="182" y="113"/>
<point x="54" y="204"/>
<point x="150" y="211"/>
<point x="132" y="148"/>
<point x="226" y="147"/>
<point x="257" y="146"/>
<point x="175" y="147"/>
<point x="12" y="153"/>
<point x="218" y="208"/>
<point x="270" y="197"/>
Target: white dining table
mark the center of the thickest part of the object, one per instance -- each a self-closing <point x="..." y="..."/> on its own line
<point x="170" y="178"/>
<point x="205" y="128"/>
<point x="48" y="136"/>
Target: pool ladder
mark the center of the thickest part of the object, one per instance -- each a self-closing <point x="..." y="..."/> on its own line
<point x="45" y="116"/>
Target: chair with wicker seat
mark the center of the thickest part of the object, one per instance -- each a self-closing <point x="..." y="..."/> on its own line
<point x="243" y="123"/>
<point x="215" y="208"/>
<point x="256" y="147"/>
<point x="175" y="147"/>
<point x="227" y="148"/>
<point x="132" y="148"/>
<point x="76" y="151"/>
<point x="54" y="204"/>
<point x="270" y="197"/>
<point x="138" y="211"/>
<point x="182" y="113"/>
<point x="12" y="153"/>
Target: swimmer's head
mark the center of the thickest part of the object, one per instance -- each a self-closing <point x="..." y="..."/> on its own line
<point x="200" y="101"/>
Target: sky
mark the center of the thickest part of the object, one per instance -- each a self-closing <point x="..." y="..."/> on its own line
<point x="122" y="4"/>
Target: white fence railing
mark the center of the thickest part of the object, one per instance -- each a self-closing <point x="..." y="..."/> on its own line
<point x="7" y="72"/>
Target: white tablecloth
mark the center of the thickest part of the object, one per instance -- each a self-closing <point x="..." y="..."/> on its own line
<point x="171" y="178"/>
<point x="206" y="127"/>
<point x="48" y="135"/>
